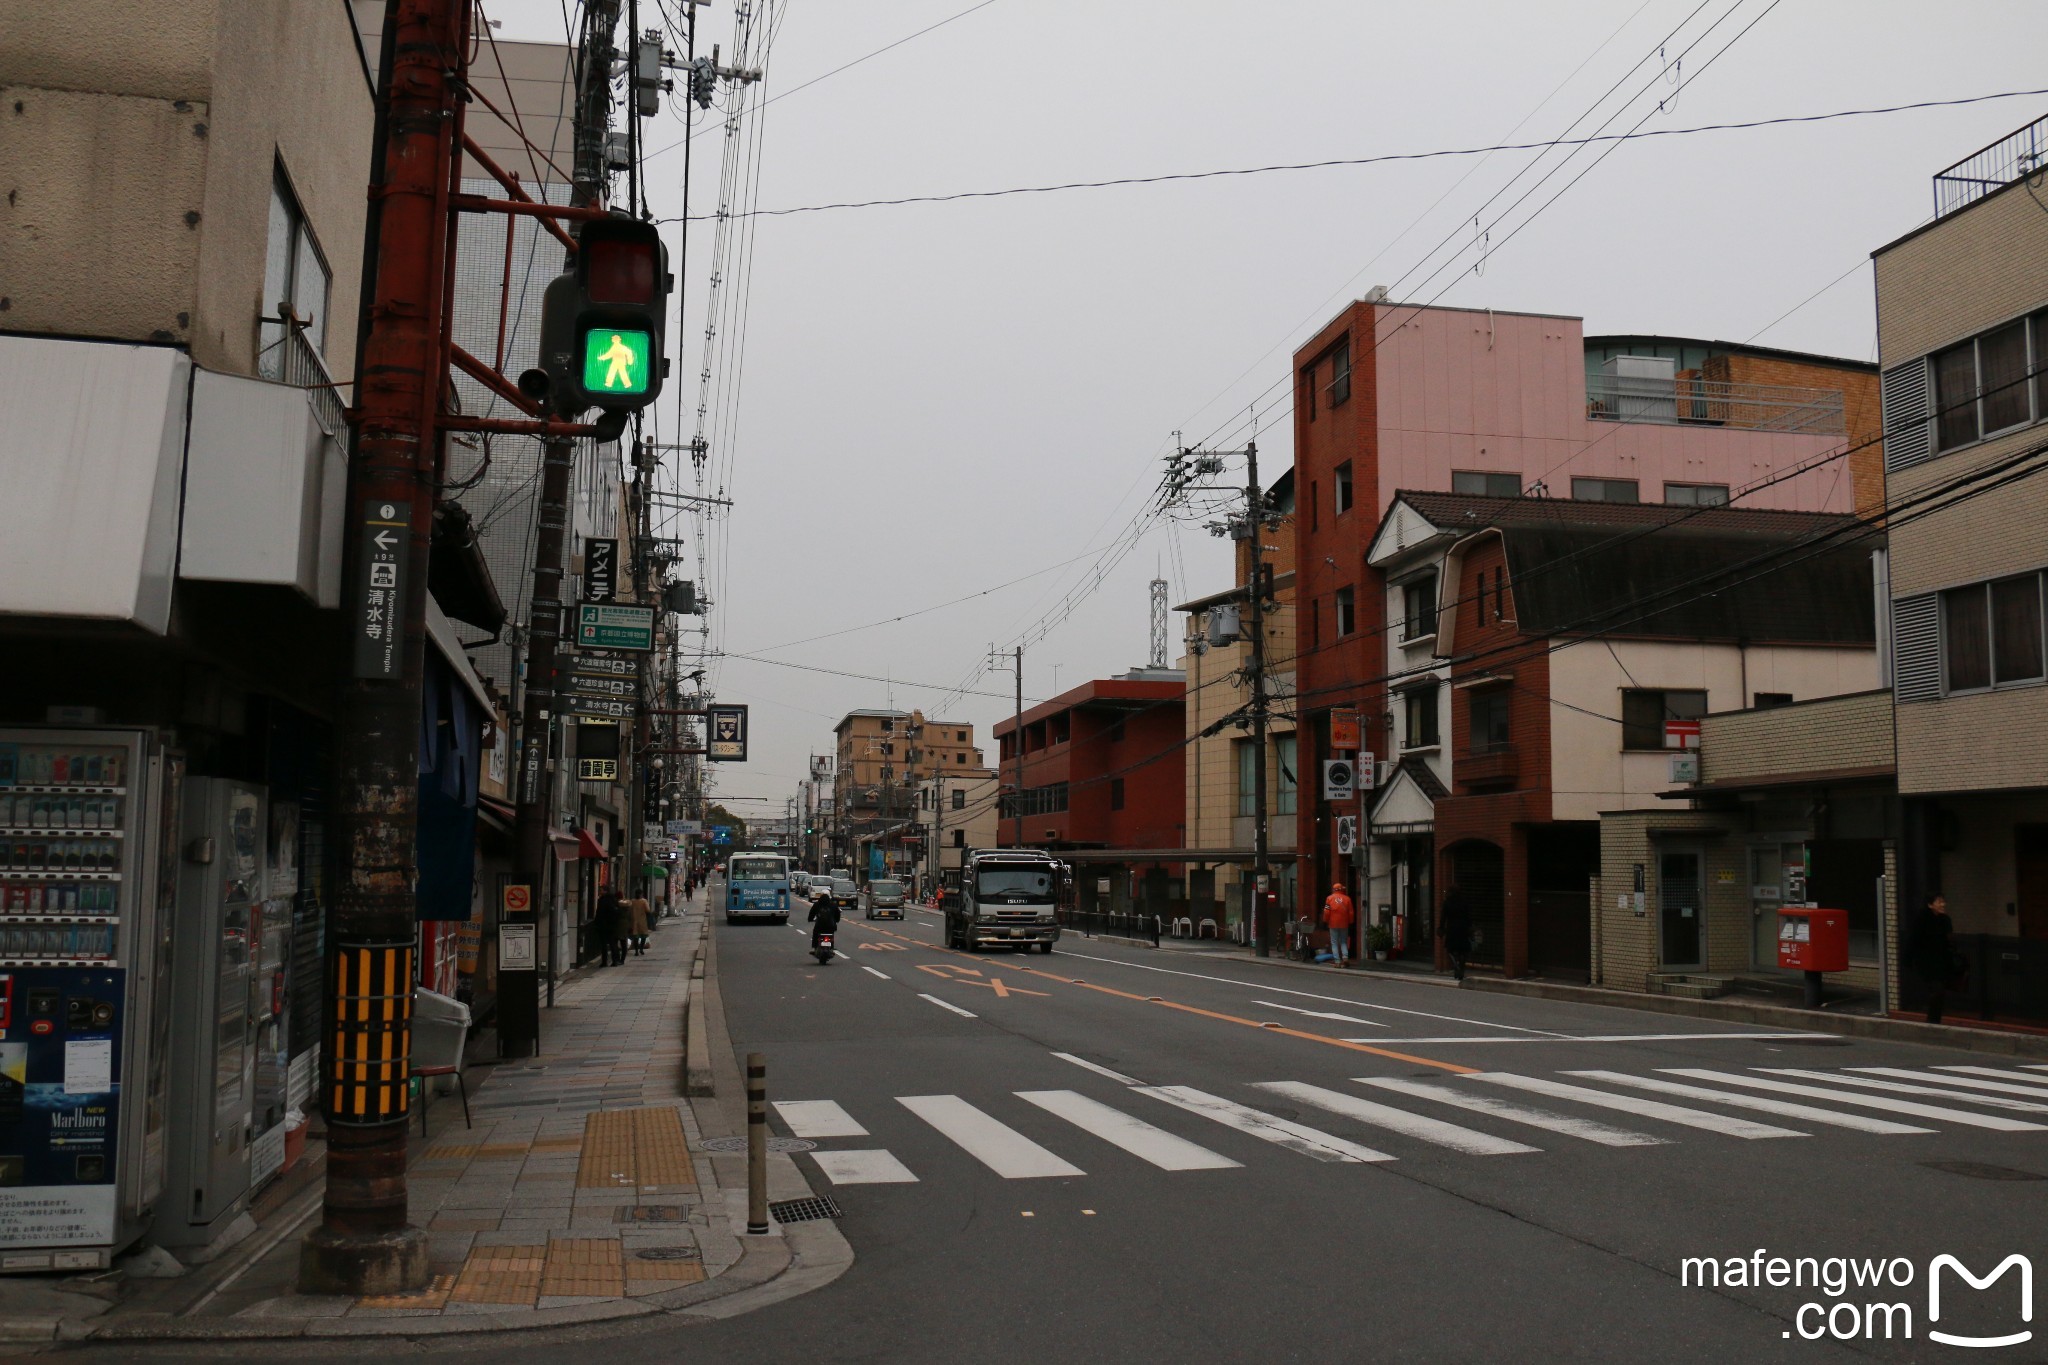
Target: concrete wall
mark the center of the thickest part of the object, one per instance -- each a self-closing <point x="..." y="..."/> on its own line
<point x="139" y="143"/>
<point x="1592" y="773"/>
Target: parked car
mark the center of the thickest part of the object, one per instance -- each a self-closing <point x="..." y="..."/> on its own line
<point x="882" y="899"/>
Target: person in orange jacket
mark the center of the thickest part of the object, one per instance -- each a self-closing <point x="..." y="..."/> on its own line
<point x="1338" y="916"/>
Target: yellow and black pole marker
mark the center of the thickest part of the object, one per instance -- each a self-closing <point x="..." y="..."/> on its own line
<point x="757" y="1143"/>
<point x="370" y="1049"/>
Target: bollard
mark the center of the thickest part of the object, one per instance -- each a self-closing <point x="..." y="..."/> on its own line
<point x="757" y="1143"/>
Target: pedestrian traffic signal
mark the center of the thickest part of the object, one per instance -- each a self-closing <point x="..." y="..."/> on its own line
<point x="603" y="321"/>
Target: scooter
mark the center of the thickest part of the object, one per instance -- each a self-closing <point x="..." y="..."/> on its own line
<point x="822" y="947"/>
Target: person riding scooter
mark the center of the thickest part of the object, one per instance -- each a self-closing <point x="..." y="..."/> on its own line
<point x="825" y="915"/>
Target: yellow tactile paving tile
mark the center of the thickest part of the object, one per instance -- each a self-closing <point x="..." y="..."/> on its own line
<point x="583" y="1265"/>
<point x="435" y="1295"/>
<point x="661" y="1274"/>
<point x="607" y="1151"/>
<point x="557" y="1145"/>
<point x="451" y="1151"/>
<point x="500" y="1274"/>
<point x="661" y="1152"/>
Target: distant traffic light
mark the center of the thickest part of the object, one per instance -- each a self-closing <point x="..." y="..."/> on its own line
<point x="603" y="321"/>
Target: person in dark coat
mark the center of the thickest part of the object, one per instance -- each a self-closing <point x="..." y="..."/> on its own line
<point x="1934" y="957"/>
<point x="608" y="930"/>
<point x="1454" y="922"/>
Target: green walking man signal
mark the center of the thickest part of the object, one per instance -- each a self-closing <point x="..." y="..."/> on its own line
<point x="616" y="361"/>
<point x="602" y="323"/>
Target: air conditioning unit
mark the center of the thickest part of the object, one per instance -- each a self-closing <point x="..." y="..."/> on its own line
<point x="1225" y="624"/>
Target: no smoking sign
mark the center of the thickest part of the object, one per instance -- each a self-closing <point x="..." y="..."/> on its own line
<point x="518" y="899"/>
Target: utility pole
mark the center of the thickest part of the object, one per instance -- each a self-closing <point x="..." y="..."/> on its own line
<point x="364" y="1244"/>
<point x="1255" y="515"/>
<point x="519" y="992"/>
<point x="937" y="858"/>
<point x="1016" y="745"/>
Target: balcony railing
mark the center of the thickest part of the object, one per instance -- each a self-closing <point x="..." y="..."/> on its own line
<point x="1488" y="765"/>
<point x="285" y="355"/>
<point x="1712" y="403"/>
<point x="2016" y="155"/>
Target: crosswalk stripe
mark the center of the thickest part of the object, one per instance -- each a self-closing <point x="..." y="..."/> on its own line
<point x="818" y="1119"/>
<point x="876" y="1167"/>
<point x="1467" y="1140"/>
<point x="993" y="1143"/>
<point x="1903" y="1088"/>
<point x="2028" y="1085"/>
<point x="1908" y="1107"/>
<point x="1590" y="1129"/>
<point x="1295" y="1137"/>
<point x="1782" y="1108"/>
<point x="1087" y="1065"/>
<point x="1635" y="1104"/>
<point x="1139" y="1138"/>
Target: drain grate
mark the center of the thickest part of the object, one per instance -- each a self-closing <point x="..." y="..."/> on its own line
<point x="739" y="1144"/>
<point x="668" y="1254"/>
<point x="803" y="1210"/>
<point x="1977" y="1170"/>
<point x="651" y="1213"/>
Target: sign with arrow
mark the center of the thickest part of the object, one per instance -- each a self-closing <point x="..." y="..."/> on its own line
<point x="586" y="686"/>
<point x="380" y="592"/>
<point x="728" y="725"/>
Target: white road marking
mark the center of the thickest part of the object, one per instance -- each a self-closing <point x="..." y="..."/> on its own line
<point x="1592" y="1038"/>
<point x="1295" y="1137"/>
<point x="1590" y="1129"/>
<point x="876" y="1167"/>
<point x="1909" y="1107"/>
<point x="1635" y="1104"/>
<point x="1087" y="1065"/>
<point x="944" y="1005"/>
<point x="2000" y="1080"/>
<point x="1321" y="1014"/>
<point x="1782" y="1108"/>
<point x="1902" y="1088"/>
<point x="872" y="972"/>
<point x="994" y="1144"/>
<point x="1467" y="1140"/>
<point x="1139" y="1138"/>
<point x="1309" y="995"/>
<point x="818" y="1119"/>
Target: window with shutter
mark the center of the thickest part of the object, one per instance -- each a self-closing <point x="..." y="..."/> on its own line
<point x="1907" y="440"/>
<point x="1916" y="648"/>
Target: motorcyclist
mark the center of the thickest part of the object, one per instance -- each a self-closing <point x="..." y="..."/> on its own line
<point x="825" y="915"/>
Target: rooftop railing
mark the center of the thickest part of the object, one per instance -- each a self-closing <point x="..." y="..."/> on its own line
<point x="2013" y="157"/>
<point x="287" y="356"/>
<point x="1711" y="403"/>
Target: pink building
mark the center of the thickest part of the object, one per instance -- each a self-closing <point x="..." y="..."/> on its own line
<point x="1396" y="397"/>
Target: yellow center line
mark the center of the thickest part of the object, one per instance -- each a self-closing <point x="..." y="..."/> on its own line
<point x="1324" y="1039"/>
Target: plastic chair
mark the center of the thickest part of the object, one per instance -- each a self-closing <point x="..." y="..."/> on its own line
<point x="440" y="1033"/>
<point x="461" y="1088"/>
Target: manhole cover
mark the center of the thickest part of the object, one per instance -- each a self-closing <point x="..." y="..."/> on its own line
<point x="651" y="1213"/>
<point x="1977" y="1170"/>
<point x="739" y="1144"/>
<point x="667" y="1254"/>
<point x="803" y="1210"/>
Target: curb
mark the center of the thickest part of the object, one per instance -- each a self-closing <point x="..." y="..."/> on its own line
<point x="1781" y="1016"/>
<point x="1319" y="968"/>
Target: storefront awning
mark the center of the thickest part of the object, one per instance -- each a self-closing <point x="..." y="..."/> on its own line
<point x="567" y="848"/>
<point x="588" y="846"/>
<point x="654" y="870"/>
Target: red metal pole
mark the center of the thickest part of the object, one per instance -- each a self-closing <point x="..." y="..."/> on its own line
<point x="364" y="1244"/>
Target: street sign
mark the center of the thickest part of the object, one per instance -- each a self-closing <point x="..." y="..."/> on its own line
<point x="518" y="898"/>
<point x="1344" y="729"/>
<point x="659" y="845"/>
<point x="380" y="595"/>
<point x="608" y="625"/>
<point x="515" y="948"/>
<point x="612" y="708"/>
<point x="1685" y="769"/>
<point x="586" y="686"/>
<point x="597" y="770"/>
<point x="728" y="726"/>
<point x="604" y="664"/>
<point x="678" y="827"/>
<point x="600" y="570"/>
<point x="721" y="834"/>
<point x="1340" y="779"/>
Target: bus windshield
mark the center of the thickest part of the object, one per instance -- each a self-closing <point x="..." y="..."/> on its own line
<point x="1013" y="884"/>
<point x="757" y="867"/>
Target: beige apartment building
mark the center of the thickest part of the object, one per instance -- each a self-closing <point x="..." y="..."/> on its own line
<point x="882" y="756"/>
<point x="1220" y="772"/>
<point x="1962" y="313"/>
<point x="957" y="812"/>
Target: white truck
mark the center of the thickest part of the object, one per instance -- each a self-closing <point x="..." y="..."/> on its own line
<point x="1008" y="898"/>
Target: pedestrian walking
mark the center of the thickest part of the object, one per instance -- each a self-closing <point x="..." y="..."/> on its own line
<point x="639" y="917"/>
<point x="1339" y="914"/>
<point x="1454" y="922"/>
<point x="1933" y="955"/>
<point x="605" y="927"/>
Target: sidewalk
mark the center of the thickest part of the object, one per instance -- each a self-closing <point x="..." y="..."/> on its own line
<point x="583" y="1193"/>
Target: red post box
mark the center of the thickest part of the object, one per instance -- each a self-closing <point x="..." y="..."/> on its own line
<point x="1812" y="939"/>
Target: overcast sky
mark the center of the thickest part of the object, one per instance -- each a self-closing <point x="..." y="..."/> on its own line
<point x="941" y="398"/>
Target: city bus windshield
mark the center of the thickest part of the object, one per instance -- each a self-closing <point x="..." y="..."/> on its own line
<point x="756" y="867"/>
<point x="1013" y="884"/>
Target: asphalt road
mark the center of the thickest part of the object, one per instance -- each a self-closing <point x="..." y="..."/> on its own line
<point x="1047" y="1227"/>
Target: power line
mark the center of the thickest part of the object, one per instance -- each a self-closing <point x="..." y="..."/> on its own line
<point x="1382" y="159"/>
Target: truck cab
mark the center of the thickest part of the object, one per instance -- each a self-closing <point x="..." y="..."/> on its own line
<point x="1008" y="898"/>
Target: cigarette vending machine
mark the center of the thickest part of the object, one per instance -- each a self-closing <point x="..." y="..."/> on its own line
<point x="86" y="817"/>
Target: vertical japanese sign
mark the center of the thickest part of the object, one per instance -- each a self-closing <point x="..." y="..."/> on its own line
<point x="380" y="596"/>
<point x="600" y="570"/>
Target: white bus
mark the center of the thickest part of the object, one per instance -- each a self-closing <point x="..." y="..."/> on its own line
<point x="757" y="887"/>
